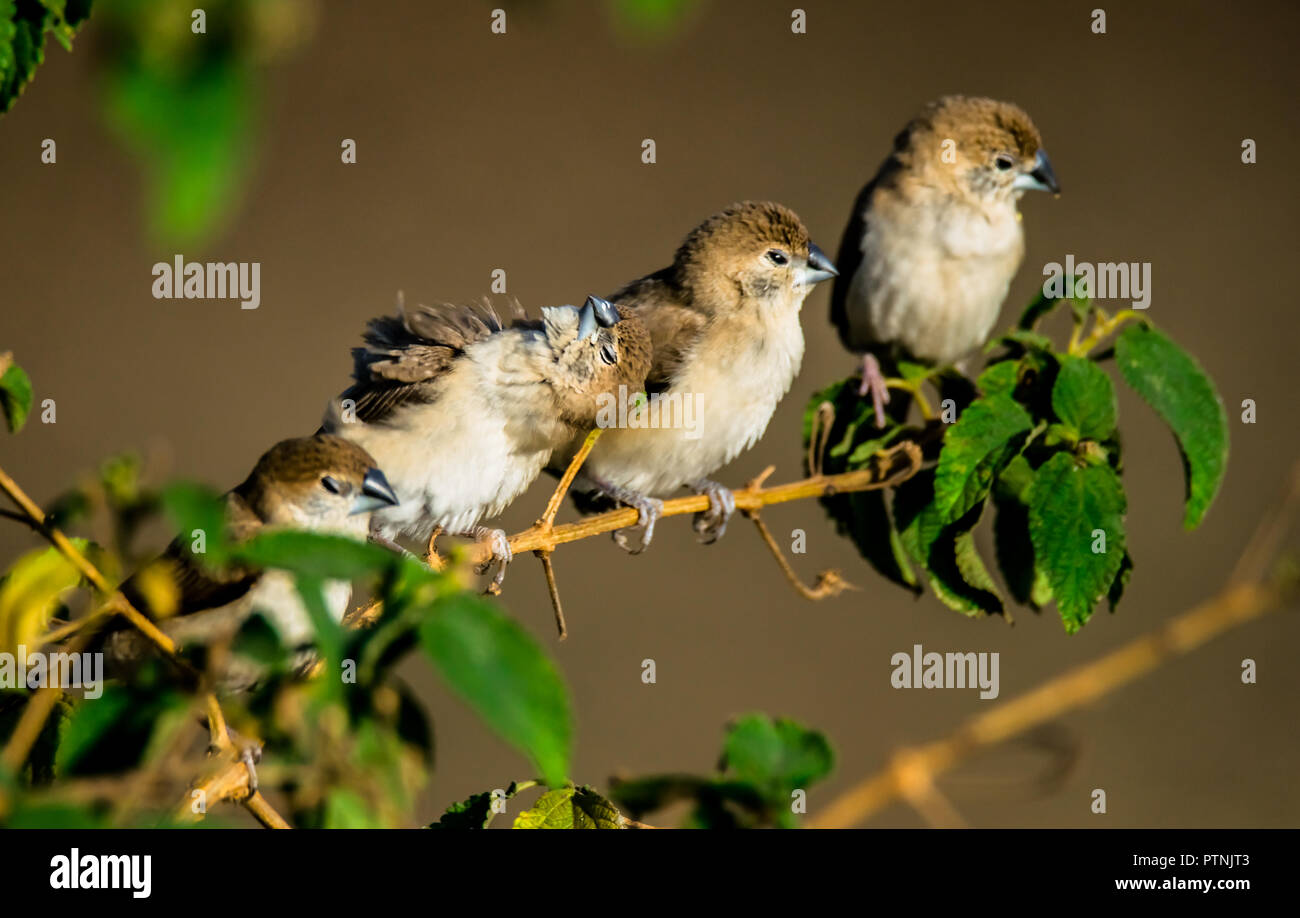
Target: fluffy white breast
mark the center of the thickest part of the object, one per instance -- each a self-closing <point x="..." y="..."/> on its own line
<point x="934" y="276"/>
<point x="467" y="454"/>
<point x="736" y="374"/>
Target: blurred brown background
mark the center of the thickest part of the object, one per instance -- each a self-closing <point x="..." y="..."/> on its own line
<point x="522" y="151"/>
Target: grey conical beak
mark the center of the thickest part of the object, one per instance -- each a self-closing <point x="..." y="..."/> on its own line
<point x="819" y="267"/>
<point x="376" y="492"/>
<point x="1041" y="178"/>
<point x="606" y="314"/>
<point x="587" y="323"/>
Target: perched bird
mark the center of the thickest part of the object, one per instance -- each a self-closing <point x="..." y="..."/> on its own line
<point x="724" y="323"/>
<point x="463" y="413"/>
<point x="935" y="237"/>
<point x="321" y="483"/>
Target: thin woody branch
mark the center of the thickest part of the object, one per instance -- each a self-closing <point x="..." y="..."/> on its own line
<point x="892" y="467"/>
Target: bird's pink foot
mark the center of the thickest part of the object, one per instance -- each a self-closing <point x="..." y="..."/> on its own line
<point x="873" y="381"/>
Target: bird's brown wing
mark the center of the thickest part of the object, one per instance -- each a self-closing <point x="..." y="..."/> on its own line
<point x="403" y="354"/>
<point x="848" y="261"/>
<point x="201" y="587"/>
<point x="849" y="258"/>
<point x="673" y="326"/>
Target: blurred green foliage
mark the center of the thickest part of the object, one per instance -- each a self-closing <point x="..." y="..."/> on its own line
<point x="184" y="102"/>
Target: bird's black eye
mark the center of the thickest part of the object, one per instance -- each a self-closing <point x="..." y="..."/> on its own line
<point x="608" y="354"/>
<point x="776" y="256"/>
<point x="1004" y="162"/>
<point x="329" y="484"/>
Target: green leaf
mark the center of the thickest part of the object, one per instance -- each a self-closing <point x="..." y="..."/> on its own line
<point x="195" y="508"/>
<point x="638" y="796"/>
<point x="31" y="593"/>
<point x="1020" y="341"/>
<point x="90" y="722"/>
<point x="1084" y="399"/>
<point x="973" y="450"/>
<point x="318" y="554"/>
<point x="15" y="397"/>
<point x="999" y="378"/>
<point x="917" y="517"/>
<point x="1172" y="383"/>
<point x="22" y="38"/>
<point x="914" y="372"/>
<point x="864" y="517"/>
<point x="346" y="809"/>
<point x="189" y="121"/>
<point x="259" y="641"/>
<point x="779" y="754"/>
<point x="501" y="672"/>
<point x="476" y="812"/>
<point x="53" y="815"/>
<point x="570" y="808"/>
<point x="1116" y="592"/>
<point x="863" y="451"/>
<point x="1068" y="503"/>
<point x="1043" y="304"/>
<point x="956" y="572"/>
<point x="934" y="545"/>
<point x="1015" y="552"/>
<point x="979" y="588"/>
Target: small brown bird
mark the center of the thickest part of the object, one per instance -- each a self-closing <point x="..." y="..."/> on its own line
<point x="935" y="238"/>
<point x="321" y="483"/>
<point x="724" y="322"/>
<point x="463" y="413"/>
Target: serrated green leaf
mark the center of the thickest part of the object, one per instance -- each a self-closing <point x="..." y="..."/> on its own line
<point x="999" y="378"/>
<point x="975" y="574"/>
<point x="1173" y="383"/>
<point x="956" y="572"/>
<point x="15" y="397"/>
<point x="1083" y="397"/>
<point x="501" y="672"/>
<point x="1068" y="503"/>
<point x="916" y="516"/>
<point x="22" y="37"/>
<point x="1015" y="552"/>
<point x="476" y="812"/>
<point x="570" y="808"/>
<point x="931" y="544"/>
<point x="973" y="450"/>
